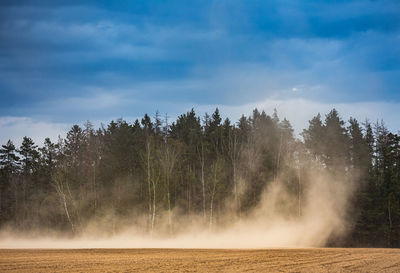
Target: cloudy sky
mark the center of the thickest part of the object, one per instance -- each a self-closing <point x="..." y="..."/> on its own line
<point x="65" y="62"/>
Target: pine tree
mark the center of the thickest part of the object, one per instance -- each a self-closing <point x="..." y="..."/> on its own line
<point x="9" y="170"/>
<point x="314" y="136"/>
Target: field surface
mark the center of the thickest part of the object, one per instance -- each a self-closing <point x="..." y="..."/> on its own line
<point x="200" y="260"/>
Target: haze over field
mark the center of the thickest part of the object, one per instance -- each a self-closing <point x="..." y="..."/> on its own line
<point x="278" y="221"/>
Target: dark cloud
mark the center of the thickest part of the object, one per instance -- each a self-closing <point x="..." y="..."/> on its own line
<point x="54" y="54"/>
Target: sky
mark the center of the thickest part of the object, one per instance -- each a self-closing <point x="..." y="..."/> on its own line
<point x="65" y="62"/>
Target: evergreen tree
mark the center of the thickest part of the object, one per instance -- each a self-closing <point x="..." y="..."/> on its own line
<point x="9" y="170"/>
<point x="314" y="136"/>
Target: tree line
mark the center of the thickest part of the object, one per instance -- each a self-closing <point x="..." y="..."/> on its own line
<point x="154" y="174"/>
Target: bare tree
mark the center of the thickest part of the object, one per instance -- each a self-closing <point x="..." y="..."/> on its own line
<point x="152" y="178"/>
<point x="202" y="162"/>
<point x="146" y="158"/>
<point x="234" y="155"/>
<point x="167" y="162"/>
<point x="61" y="186"/>
<point x="216" y="175"/>
<point x="154" y="181"/>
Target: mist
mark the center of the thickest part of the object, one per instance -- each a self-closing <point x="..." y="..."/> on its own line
<point x="283" y="218"/>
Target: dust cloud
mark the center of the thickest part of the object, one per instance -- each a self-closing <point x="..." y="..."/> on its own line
<point x="283" y="218"/>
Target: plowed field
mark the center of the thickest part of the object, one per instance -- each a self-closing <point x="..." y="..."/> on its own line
<point x="200" y="260"/>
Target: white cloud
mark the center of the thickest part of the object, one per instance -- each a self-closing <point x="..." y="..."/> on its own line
<point x="15" y="128"/>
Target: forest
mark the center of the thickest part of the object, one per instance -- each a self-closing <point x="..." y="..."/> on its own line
<point x="155" y="173"/>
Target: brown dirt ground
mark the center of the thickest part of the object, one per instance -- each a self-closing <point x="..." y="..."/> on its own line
<point x="200" y="260"/>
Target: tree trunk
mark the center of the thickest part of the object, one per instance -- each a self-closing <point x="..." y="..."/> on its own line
<point x="390" y="224"/>
<point x="67" y="213"/>
<point x="203" y="183"/>
<point x="212" y="196"/>
<point x="278" y="159"/>
<point x="211" y="210"/>
<point x="94" y="189"/>
<point x="59" y="186"/>
<point x="154" y="208"/>
<point x="168" y="198"/>
<point x="149" y="184"/>
<point x="299" y="193"/>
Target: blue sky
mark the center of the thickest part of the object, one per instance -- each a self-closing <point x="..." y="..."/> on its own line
<point x="64" y="62"/>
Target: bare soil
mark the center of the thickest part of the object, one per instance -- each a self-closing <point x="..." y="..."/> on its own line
<point x="200" y="260"/>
